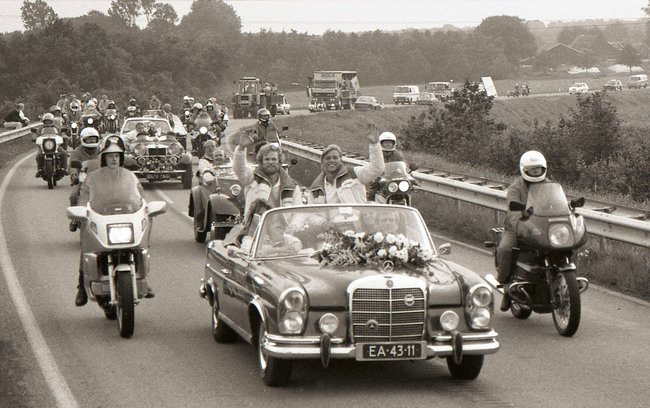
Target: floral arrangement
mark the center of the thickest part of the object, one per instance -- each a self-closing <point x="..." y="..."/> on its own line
<point x="350" y="248"/>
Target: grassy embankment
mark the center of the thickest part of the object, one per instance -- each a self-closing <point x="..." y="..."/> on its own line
<point x="619" y="266"/>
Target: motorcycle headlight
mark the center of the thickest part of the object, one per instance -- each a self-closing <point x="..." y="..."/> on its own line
<point x="73" y="125"/>
<point x="449" y="320"/>
<point x="139" y="149"/>
<point x="90" y="121"/>
<point x="481" y="296"/>
<point x="392" y="187"/>
<point x="404" y="186"/>
<point x="328" y="323"/>
<point x="120" y="233"/>
<point x="559" y="235"/>
<point x="203" y="130"/>
<point x="175" y="149"/>
<point x="235" y="190"/>
<point x="112" y="117"/>
<point x="49" y="144"/>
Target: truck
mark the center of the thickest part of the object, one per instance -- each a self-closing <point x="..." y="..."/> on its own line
<point x="442" y="91"/>
<point x="334" y="89"/>
<point x="254" y="95"/>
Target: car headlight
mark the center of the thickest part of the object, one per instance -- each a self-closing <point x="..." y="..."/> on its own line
<point x="235" y="190"/>
<point x="328" y="323"/>
<point x="120" y="233"/>
<point x="559" y="235"/>
<point x="49" y="144"/>
<point x="292" y="310"/>
<point x="175" y="149"/>
<point x="480" y="318"/>
<point x="449" y="320"/>
<point x="393" y="187"/>
<point x="404" y="186"/>
<point x="481" y="296"/>
<point x="139" y="149"/>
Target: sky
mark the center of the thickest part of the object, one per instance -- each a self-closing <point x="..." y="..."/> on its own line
<point x="317" y="16"/>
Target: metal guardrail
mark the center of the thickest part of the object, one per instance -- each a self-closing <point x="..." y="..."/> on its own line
<point x="16" y="133"/>
<point x="605" y="220"/>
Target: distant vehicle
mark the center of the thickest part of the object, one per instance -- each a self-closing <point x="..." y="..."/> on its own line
<point x="284" y="108"/>
<point x="335" y="89"/>
<point x="406" y="94"/>
<point x="613" y="85"/>
<point x="253" y="95"/>
<point x="578" y="88"/>
<point x="443" y="91"/>
<point x="367" y="103"/>
<point x="426" y="98"/>
<point x="637" y="81"/>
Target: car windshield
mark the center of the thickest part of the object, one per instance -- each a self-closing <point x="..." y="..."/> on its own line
<point x="440" y="86"/>
<point x="158" y="124"/>
<point x="366" y="99"/>
<point x="548" y="200"/>
<point x="303" y="230"/>
<point x="402" y="89"/>
<point x="325" y="84"/>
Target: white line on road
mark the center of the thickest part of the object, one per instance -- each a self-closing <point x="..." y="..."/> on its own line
<point x="55" y="380"/>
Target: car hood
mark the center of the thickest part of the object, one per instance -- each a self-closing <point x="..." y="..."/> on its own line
<point x="327" y="286"/>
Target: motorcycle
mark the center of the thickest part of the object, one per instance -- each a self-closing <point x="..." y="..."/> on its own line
<point x="544" y="277"/>
<point x="513" y="93"/>
<point x="91" y="121"/>
<point x="525" y="91"/>
<point x="110" y="120"/>
<point x="115" y="253"/>
<point x="53" y="166"/>
<point x="200" y="138"/>
<point x="74" y="135"/>
<point x="395" y="186"/>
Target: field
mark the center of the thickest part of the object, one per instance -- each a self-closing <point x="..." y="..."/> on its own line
<point x="618" y="266"/>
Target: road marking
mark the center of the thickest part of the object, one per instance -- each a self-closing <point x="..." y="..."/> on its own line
<point x="53" y="377"/>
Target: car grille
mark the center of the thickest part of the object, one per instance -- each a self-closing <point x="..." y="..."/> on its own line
<point x="383" y="314"/>
<point x="157" y="151"/>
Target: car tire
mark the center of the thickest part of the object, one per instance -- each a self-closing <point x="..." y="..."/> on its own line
<point x="186" y="179"/>
<point x="221" y="332"/>
<point x="199" y="236"/>
<point x="274" y="371"/>
<point x="468" y="369"/>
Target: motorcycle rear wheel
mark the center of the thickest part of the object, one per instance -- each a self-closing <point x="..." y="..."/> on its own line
<point x="566" y="316"/>
<point x="125" y="304"/>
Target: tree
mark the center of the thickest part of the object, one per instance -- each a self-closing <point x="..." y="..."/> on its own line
<point x="164" y="17"/>
<point x="629" y="56"/>
<point x="210" y="21"/>
<point x="127" y="11"/>
<point x="512" y="34"/>
<point x="37" y="14"/>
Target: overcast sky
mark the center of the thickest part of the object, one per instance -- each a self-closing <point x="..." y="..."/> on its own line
<point x="316" y="16"/>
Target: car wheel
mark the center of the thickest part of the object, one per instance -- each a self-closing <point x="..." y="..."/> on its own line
<point x="468" y="369"/>
<point x="274" y="371"/>
<point x="186" y="179"/>
<point x="221" y="332"/>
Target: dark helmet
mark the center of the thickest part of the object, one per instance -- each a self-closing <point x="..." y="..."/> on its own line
<point x="132" y="102"/>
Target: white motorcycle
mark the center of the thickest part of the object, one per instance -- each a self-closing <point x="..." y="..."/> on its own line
<point x="115" y="257"/>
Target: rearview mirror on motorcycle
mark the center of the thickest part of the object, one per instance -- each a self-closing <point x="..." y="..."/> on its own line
<point x="294" y="162"/>
<point x="515" y="206"/>
<point x="578" y="202"/>
<point x="77" y="213"/>
<point x="413" y="166"/>
<point x="156" y="208"/>
<point x="75" y="164"/>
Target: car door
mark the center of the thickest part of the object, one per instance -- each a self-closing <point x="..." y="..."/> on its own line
<point x="233" y="291"/>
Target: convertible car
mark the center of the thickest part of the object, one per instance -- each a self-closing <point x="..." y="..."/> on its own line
<point x="361" y="282"/>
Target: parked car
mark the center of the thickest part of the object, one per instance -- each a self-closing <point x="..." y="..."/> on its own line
<point x="284" y="108"/>
<point x="637" y="81"/>
<point x="578" y="88"/>
<point x="367" y="103"/>
<point x="406" y="94"/>
<point x="361" y="282"/>
<point x="613" y="85"/>
<point x="426" y="98"/>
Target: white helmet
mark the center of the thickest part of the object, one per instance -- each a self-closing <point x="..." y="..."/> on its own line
<point x="48" y="117"/>
<point x="388" y="136"/>
<point x="530" y="159"/>
<point x="90" y="105"/>
<point x="112" y="144"/>
<point x="197" y="106"/>
<point x="89" y="137"/>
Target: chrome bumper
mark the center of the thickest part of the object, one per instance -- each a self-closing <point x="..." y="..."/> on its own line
<point x="310" y="347"/>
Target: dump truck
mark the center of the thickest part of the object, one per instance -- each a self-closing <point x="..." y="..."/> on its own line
<point x="335" y="89"/>
<point x="253" y="95"/>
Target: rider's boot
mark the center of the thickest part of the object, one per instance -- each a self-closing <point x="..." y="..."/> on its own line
<point x="505" y="302"/>
<point x="150" y="293"/>
<point x="73" y="225"/>
<point x="81" y="298"/>
<point x="39" y="173"/>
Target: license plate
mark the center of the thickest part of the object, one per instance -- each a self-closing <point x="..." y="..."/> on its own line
<point x="391" y="351"/>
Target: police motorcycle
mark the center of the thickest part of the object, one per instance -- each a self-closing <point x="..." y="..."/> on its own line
<point x="48" y="142"/>
<point x="396" y="185"/>
<point x="544" y="277"/>
<point x="115" y="255"/>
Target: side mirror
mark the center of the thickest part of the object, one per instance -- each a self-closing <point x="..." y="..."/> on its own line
<point x="156" y="208"/>
<point x="515" y="206"/>
<point x="413" y="166"/>
<point x="578" y="202"/>
<point x="294" y="162"/>
<point x="76" y="164"/>
<point x="77" y="213"/>
<point x="234" y="252"/>
<point x="444" y="249"/>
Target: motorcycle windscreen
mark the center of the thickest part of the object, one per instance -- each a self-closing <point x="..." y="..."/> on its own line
<point x="396" y="170"/>
<point x="548" y="200"/>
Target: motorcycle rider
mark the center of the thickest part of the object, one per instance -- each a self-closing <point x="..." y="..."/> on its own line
<point x="132" y="108"/>
<point x="91" y="111"/>
<point x="532" y="169"/>
<point x="49" y="128"/>
<point x="154" y="102"/>
<point x="388" y="142"/>
<point x="266" y="129"/>
<point x="186" y="106"/>
<point x="110" y="183"/>
<point x="87" y="150"/>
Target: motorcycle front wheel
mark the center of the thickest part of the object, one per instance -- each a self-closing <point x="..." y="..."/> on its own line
<point x="125" y="304"/>
<point x="566" y="316"/>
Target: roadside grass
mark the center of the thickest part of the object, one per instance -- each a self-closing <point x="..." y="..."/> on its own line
<point x="612" y="264"/>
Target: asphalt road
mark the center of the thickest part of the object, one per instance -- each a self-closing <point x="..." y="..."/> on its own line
<point x="172" y="360"/>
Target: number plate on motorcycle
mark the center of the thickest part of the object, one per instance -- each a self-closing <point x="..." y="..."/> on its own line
<point x="391" y="351"/>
